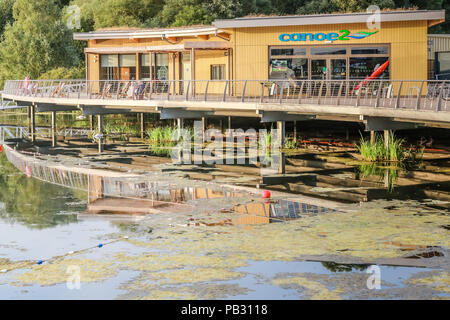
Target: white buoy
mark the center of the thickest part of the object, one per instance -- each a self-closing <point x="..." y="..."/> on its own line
<point x="3" y="271"/>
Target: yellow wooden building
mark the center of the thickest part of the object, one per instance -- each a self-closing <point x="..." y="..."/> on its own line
<point x="331" y="46"/>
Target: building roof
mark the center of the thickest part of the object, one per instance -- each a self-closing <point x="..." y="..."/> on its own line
<point x="434" y="16"/>
<point x="338" y="18"/>
<point x="136" y="33"/>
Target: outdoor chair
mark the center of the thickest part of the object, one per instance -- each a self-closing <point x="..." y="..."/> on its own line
<point x="58" y="91"/>
<point x="140" y="91"/>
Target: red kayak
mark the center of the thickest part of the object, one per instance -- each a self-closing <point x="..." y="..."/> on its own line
<point x="378" y="72"/>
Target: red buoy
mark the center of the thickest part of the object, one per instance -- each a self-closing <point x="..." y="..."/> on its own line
<point x="266" y="194"/>
<point x="1" y="148"/>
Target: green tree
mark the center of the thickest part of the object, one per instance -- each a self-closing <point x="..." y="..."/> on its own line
<point x="36" y="42"/>
<point x="191" y="12"/>
<point x="65" y="73"/>
<point x="6" y="13"/>
<point x="430" y="5"/>
<point x="96" y="14"/>
<point x="329" y="6"/>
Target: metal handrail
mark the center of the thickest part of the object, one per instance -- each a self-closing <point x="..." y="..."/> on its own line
<point x="377" y="93"/>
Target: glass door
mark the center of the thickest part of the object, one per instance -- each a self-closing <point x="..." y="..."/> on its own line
<point x="319" y="69"/>
<point x="338" y="69"/>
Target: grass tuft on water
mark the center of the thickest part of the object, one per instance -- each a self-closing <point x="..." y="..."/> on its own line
<point x="396" y="150"/>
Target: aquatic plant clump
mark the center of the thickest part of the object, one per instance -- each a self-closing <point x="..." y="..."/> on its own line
<point x="395" y="150"/>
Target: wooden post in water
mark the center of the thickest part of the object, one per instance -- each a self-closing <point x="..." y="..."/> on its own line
<point x="386" y="140"/>
<point x="295" y="131"/>
<point x="33" y="124"/>
<point x="282" y="164"/>
<point x="29" y="120"/>
<point x="91" y="123"/>
<point x="100" y="129"/>
<point x="204" y="123"/>
<point x="180" y="123"/>
<point x="142" y="126"/>
<point x="372" y="137"/>
<point x="281" y="127"/>
<point x="54" y="129"/>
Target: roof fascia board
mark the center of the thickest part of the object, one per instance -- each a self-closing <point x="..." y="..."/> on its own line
<point x="388" y="16"/>
<point x="145" y="34"/>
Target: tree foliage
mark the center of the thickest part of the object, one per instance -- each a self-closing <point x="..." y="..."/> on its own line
<point x="36" y="42"/>
<point x="97" y="14"/>
<point x="6" y="13"/>
<point x="65" y="73"/>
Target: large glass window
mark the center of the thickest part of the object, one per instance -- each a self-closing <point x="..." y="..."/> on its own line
<point x="145" y="67"/>
<point x="118" y="67"/>
<point x="218" y="72"/>
<point x="109" y="67"/>
<point x="370" y="50"/>
<point x="296" y="68"/>
<point x="360" y="68"/>
<point x="288" y="52"/>
<point x="161" y="66"/>
<point x="327" y="62"/>
<point x="127" y="63"/>
<point x="328" y="51"/>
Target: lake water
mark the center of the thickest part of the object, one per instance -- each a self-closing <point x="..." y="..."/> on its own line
<point x="209" y="252"/>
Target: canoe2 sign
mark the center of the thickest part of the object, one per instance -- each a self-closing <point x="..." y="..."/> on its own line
<point x="343" y="35"/>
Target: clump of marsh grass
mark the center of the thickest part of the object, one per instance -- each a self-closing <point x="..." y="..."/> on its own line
<point x="121" y="130"/>
<point x="290" y="144"/>
<point x="161" y="139"/>
<point x="161" y="136"/>
<point x="372" y="152"/>
<point x="394" y="152"/>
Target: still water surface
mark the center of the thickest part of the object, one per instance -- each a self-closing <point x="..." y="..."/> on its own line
<point x="164" y="259"/>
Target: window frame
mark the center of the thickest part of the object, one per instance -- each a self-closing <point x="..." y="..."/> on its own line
<point x="310" y="56"/>
<point x="222" y="68"/>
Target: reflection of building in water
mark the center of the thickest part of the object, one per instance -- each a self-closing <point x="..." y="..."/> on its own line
<point x="121" y="196"/>
<point x="281" y="210"/>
